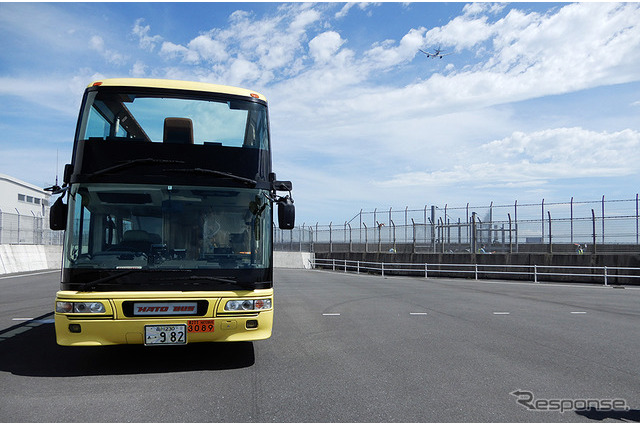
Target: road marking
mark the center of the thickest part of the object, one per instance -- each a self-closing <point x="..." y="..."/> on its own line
<point x="578" y="312"/>
<point x="417" y="313"/>
<point x="331" y="315"/>
<point x="40" y="321"/>
<point x="501" y="313"/>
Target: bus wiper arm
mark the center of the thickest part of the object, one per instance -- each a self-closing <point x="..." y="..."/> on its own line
<point x="223" y="280"/>
<point x="208" y="278"/>
<point x="130" y="163"/>
<point x="92" y="284"/>
<point x="217" y="173"/>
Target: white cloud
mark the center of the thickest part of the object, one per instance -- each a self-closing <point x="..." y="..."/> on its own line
<point x="325" y="45"/>
<point x="146" y="41"/>
<point x="347" y="7"/>
<point x="139" y="69"/>
<point x="97" y="43"/>
<point x="527" y="159"/>
<point x="208" y="49"/>
<point x="170" y="50"/>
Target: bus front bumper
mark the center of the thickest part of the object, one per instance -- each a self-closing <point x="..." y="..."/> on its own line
<point x="76" y="331"/>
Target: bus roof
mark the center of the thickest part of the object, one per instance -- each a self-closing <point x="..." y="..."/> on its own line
<point x="177" y="84"/>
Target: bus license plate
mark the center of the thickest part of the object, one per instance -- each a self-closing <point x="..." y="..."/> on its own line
<point x="165" y="334"/>
<point x="200" y="326"/>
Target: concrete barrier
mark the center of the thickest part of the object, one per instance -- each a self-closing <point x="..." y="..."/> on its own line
<point x="24" y="258"/>
<point x="292" y="259"/>
<point x="28" y="257"/>
<point x="563" y="264"/>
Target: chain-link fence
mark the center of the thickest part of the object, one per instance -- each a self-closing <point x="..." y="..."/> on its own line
<point x="27" y="229"/>
<point x="572" y="226"/>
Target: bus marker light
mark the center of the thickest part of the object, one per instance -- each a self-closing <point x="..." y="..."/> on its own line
<point x="255" y="95"/>
<point x="64" y="307"/>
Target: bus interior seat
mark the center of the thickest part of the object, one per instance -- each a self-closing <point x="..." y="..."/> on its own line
<point x="178" y="130"/>
<point x="137" y="240"/>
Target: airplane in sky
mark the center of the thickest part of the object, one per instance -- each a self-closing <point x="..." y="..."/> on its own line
<point x="437" y="53"/>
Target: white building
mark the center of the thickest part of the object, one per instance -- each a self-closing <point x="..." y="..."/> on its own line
<point x="19" y="197"/>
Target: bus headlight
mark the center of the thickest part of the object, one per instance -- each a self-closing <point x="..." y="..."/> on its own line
<point x="248" y="305"/>
<point x="80" y="308"/>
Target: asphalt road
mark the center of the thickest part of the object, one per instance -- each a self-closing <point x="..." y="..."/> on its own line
<point x="345" y="348"/>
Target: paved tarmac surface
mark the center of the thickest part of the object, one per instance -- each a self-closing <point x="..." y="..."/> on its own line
<point x="345" y="348"/>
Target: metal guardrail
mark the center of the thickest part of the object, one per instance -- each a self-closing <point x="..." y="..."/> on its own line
<point x="477" y="270"/>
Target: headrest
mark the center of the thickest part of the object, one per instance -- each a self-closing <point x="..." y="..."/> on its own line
<point x="178" y="130"/>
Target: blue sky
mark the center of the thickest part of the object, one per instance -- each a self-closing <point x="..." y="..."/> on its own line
<point x="537" y="100"/>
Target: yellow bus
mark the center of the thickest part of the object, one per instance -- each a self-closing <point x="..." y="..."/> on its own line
<point x="167" y="207"/>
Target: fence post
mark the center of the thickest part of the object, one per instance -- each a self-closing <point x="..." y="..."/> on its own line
<point x="637" y="220"/>
<point x="311" y="240"/>
<point x="605" y="276"/>
<point x="333" y="262"/>
<point x="468" y="227"/>
<point x="393" y="224"/>
<point x="350" y="240"/>
<point x="571" y="220"/>
<point x="550" y="235"/>
<point x="382" y="268"/>
<point x="476" y="270"/>
<point x="405" y="223"/>
<point x="413" y="243"/>
<point x="603" y="219"/>
<point x="510" y="242"/>
<point x="542" y="241"/>
<point x="331" y="237"/>
<point x="490" y="241"/>
<point x="535" y="273"/>
<point x="515" y="220"/>
<point x="366" y="238"/>
<point x="593" y="220"/>
<point x="426" y="270"/>
<point x="358" y="267"/>
<point x="474" y="243"/>
<point x="433" y="227"/>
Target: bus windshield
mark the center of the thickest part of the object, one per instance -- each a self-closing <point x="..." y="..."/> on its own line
<point x="160" y="227"/>
<point x="111" y="114"/>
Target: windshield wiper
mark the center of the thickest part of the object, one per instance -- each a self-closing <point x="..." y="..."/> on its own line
<point x="216" y="173"/>
<point x="223" y="280"/>
<point x="130" y="163"/>
<point x="91" y="285"/>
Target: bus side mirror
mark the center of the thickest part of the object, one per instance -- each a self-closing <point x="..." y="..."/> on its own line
<point x="286" y="213"/>
<point x="58" y="215"/>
